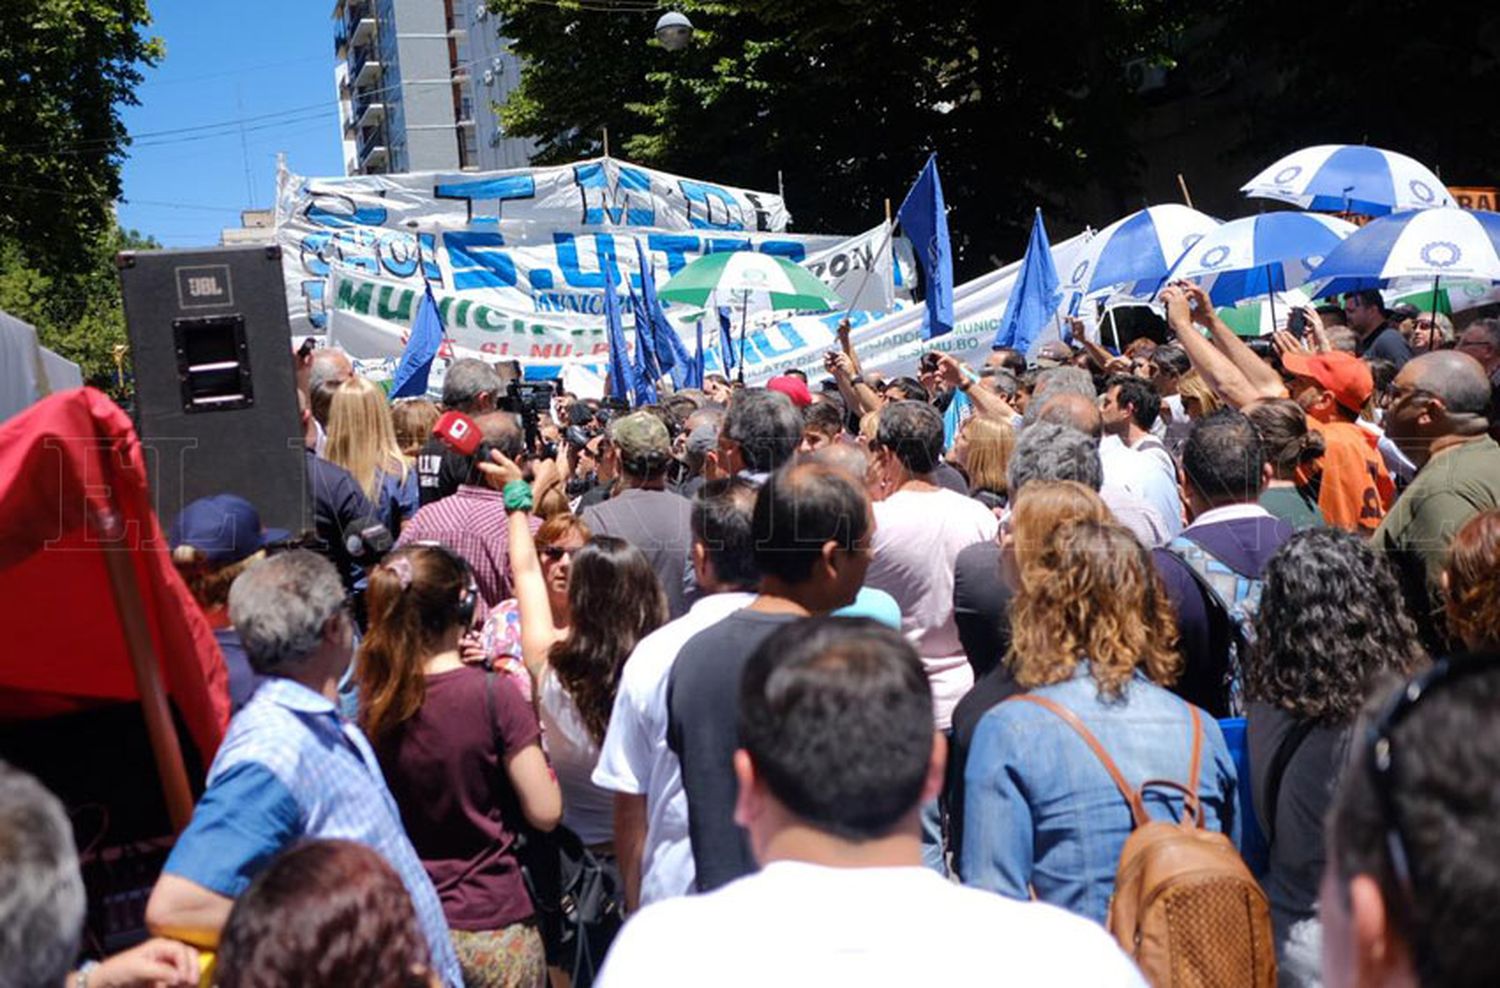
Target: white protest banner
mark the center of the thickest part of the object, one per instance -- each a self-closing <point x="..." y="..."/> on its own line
<point x="370" y="317"/>
<point x="860" y="270"/>
<point x="380" y="224"/>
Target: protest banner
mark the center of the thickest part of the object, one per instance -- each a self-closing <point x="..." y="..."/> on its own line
<point x="369" y="317"/>
<point x="507" y="238"/>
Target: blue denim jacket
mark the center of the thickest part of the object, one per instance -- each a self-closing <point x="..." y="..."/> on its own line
<point x="1041" y="812"/>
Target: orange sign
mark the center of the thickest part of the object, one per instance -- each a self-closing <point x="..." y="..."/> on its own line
<point x="1475" y="197"/>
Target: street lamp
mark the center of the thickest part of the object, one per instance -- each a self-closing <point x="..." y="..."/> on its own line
<point x="674" y="31"/>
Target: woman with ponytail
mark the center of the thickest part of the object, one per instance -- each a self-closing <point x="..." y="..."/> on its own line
<point x="462" y="754"/>
<point x="1291" y="447"/>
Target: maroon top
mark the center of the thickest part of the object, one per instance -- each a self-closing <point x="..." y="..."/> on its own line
<point x="450" y="785"/>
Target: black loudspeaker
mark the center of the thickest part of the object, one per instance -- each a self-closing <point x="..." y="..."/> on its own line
<point x="216" y="399"/>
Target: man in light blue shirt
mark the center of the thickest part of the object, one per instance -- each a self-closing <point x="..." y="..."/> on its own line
<point x="290" y="768"/>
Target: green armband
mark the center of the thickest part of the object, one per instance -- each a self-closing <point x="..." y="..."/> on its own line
<point x="517" y="495"/>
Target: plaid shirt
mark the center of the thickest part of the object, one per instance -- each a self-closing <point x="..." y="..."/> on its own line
<point x="471" y="522"/>
<point x="291" y="768"/>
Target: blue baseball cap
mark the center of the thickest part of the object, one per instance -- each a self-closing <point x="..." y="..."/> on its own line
<point x="224" y="527"/>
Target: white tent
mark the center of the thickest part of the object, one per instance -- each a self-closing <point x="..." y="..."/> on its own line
<point x="29" y="371"/>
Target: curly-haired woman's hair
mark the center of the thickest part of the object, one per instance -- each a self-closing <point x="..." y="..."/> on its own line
<point x="415" y="598"/>
<point x="1288" y="442"/>
<point x="1474" y="583"/>
<point x="1087" y="591"/>
<point x="988" y="457"/>
<point x="616" y="600"/>
<point x="324" y="914"/>
<point x="1331" y="622"/>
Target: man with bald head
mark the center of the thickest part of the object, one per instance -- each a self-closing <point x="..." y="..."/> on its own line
<point x="472" y="521"/>
<point x="1437" y="417"/>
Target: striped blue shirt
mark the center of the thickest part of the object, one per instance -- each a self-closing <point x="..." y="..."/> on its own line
<point x="291" y="768"/>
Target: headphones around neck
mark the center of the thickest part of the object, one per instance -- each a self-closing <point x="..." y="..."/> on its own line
<point x="468" y="600"/>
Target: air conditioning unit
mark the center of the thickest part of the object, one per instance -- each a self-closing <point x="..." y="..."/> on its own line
<point x="489" y="77"/>
<point x="481" y="13"/>
<point x="1144" y="77"/>
<point x="498" y="64"/>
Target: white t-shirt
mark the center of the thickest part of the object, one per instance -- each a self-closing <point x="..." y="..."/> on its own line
<point x="1144" y="476"/>
<point x="802" y="924"/>
<point x="918" y="536"/>
<point x="635" y="758"/>
<point x="588" y="811"/>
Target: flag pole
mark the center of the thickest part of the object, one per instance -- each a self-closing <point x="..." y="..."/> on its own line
<point x="744" y="309"/>
<point x="1271" y="296"/>
<point x="865" y="279"/>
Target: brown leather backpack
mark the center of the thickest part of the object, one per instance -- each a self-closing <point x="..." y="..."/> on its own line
<point x="1185" y="906"/>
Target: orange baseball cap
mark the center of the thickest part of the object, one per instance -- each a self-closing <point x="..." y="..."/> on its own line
<point x="1343" y="374"/>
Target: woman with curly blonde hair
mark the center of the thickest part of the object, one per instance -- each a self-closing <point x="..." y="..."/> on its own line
<point x="1092" y="637"/>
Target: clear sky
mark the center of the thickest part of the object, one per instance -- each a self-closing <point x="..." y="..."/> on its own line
<point x="249" y="79"/>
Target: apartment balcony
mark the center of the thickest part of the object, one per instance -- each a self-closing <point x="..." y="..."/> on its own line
<point x="361" y="31"/>
<point x="364" y="67"/>
<point x="368" y="112"/>
<point x="373" y="156"/>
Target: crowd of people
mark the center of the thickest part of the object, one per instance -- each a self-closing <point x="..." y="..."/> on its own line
<point x="862" y="680"/>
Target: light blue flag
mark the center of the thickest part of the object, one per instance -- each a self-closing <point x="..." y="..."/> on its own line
<point x="1034" y="298"/>
<point x="410" y="379"/>
<point x="957" y="413"/>
<point x="924" y="219"/>
<point x="621" y="374"/>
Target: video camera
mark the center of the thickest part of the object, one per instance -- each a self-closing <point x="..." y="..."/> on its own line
<point x="530" y="400"/>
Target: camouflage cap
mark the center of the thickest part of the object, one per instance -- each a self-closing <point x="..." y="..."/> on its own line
<point x="642" y="441"/>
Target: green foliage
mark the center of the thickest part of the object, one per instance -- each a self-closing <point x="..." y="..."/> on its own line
<point x="1427" y="88"/>
<point x="66" y="68"/>
<point x="1024" y="102"/>
<point x="77" y="314"/>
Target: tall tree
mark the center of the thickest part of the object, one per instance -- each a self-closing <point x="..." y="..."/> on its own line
<point x="1023" y="102"/>
<point x="66" y="69"/>
<point x="80" y="315"/>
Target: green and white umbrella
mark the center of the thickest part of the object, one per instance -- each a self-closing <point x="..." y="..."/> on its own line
<point x="735" y="278"/>
<point x="1452" y="296"/>
<point x="1255" y="317"/>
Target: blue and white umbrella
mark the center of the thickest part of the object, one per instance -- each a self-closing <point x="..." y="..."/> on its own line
<point x="1258" y="255"/>
<point x="1350" y="178"/>
<point x="1431" y="244"/>
<point x="1134" y="254"/>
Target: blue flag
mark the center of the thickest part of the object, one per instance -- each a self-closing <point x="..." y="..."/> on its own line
<point x="410" y="379"/>
<point x="647" y="373"/>
<point x="923" y="218"/>
<point x="694" y="376"/>
<point x="647" y="367"/>
<point x="621" y="374"/>
<point x="1034" y="297"/>
<point x="670" y="352"/>
<point x="726" y="340"/>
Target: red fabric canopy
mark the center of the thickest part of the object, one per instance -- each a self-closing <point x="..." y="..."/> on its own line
<point x="72" y="482"/>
